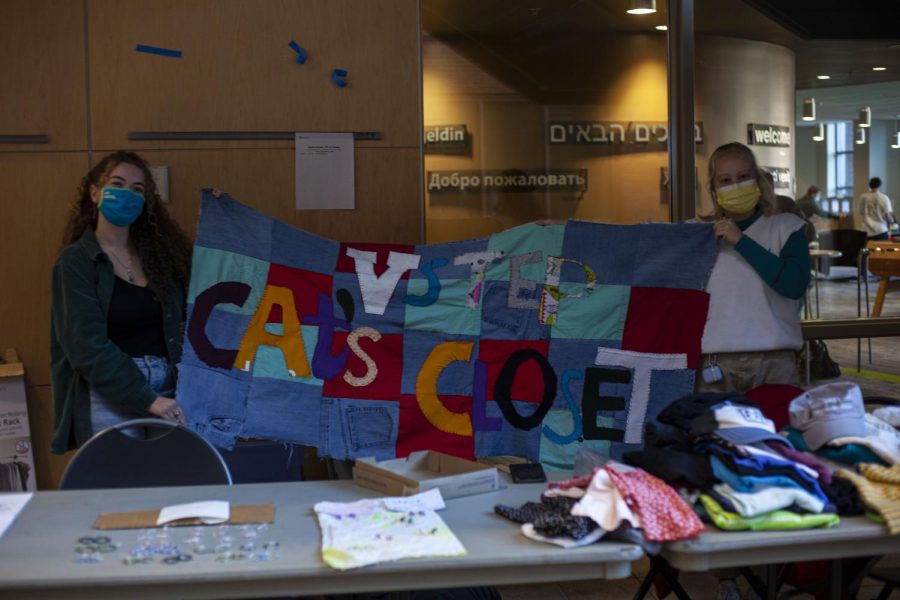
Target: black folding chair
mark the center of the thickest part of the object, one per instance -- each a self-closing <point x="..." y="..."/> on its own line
<point x="145" y="453"/>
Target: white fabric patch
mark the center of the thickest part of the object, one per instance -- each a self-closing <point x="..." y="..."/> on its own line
<point x="377" y="291"/>
<point x="642" y="365"/>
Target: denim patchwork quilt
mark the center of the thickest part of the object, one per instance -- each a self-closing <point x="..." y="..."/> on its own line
<point x="531" y="342"/>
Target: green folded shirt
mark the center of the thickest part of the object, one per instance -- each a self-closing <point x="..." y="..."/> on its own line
<point x="777" y="519"/>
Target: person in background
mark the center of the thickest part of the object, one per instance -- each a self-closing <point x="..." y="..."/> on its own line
<point x="756" y="287"/>
<point x="118" y="304"/>
<point x="810" y="206"/>
<point x="874" y="212"/>
<point x="786" y="204"/>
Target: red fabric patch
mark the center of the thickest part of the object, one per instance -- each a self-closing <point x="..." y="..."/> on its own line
<point x="306" y="286"/>
<point x="417" y="433"/>
<point x="388" y="356"/>
<point x="666" y="321"/>
<point x="774" y="399"/>
<point x="345" y="264"/>
<point x="528" y="385"/>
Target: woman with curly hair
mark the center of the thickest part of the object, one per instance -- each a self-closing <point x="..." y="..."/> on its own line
<point x="118" y="304"/>
<point x="757" y="284"/>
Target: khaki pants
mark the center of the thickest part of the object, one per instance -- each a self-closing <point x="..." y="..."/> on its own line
<point x="744" y="371"/>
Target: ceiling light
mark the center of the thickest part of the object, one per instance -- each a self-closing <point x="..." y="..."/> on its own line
<point x="860" y="135"/>
<point x="662" y="27"/>
<point x="819" y="135"/>
<point x="809" y="109"/>
<point x="823" y="76"/>
<point x="865" y="117"/>
<point x="879" y="68"/>
<point x="641" y="7"/>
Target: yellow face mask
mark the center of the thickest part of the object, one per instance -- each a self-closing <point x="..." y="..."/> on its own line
<point x="740" y="197"/>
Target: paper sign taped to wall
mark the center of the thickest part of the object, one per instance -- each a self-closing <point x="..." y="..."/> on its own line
<point x="324" y="176"/>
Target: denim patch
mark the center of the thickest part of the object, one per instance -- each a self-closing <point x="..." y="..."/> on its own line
<point x="283" y="411"/>
<point x="607" y="249"/>
<point x="214" y="403"/>
<point x="358" y="428"/>
<point x="499" y="322"/>
<point x="451" y="314"/>
<point x="561" y="457"/>
<point x="664" y="385"/>
<point x="509" y="440"/>
<point x="448" y="251"/>
<point x="455" y="380"/>
<point x="226" y="224"/>
<point x="294" y="247"/>
<point x="675" y="255"/>
<point x="224" y="329"/>
<point x="577" y="355"/>
<point x="269" y="362"/>
<point x="209" y="267"/>
<point x="392" y="319"/>
<point x="524" y="239"/>
<point x="599" y="314"/>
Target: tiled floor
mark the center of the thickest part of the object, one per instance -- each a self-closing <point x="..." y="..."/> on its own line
<point x="837" y="299"/>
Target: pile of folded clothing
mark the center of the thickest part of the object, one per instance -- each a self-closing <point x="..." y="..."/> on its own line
<point x="616" y="502"/>
<point x="723" y="450"/>
<point x="831" y="421"/>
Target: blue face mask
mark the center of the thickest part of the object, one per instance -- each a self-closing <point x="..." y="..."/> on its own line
<point x="120" y="206"/>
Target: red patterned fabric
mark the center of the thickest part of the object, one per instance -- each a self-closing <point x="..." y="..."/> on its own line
<point x="664" y="515"/>
<point x="580" y="482"/>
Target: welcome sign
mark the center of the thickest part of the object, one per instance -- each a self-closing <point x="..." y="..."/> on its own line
<point x="529" y="342"/>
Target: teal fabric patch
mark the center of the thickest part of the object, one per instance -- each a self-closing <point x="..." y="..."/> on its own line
<point x="599" y="315"/>
<point x="270" y="360"/>
<point x="562" y="457"/>
<point x="450" y="314"/>
<point x="547" y="239"/>
<point x="210" y="266"/>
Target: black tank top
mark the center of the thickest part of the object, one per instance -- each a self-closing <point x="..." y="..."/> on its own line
<point x="135" y="322"/>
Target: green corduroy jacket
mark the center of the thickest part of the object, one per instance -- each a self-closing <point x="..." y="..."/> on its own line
<point x="82" y="357"/>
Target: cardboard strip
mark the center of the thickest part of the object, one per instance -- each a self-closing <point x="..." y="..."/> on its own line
<point x="141" y="519"/>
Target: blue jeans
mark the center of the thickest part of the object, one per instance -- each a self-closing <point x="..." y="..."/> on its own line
<point x="106" y="412"/>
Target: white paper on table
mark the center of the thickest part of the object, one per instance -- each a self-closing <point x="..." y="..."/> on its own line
<point x="429" y="499"/>
<point x="10" y="506"/>
<point x="323" y="171"/>
<point x="210" y="512"/>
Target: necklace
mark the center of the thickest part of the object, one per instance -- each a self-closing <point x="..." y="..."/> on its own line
<point x="128" y="272"/>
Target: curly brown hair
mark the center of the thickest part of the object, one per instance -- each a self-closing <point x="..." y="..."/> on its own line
<point x="162" y="245"/>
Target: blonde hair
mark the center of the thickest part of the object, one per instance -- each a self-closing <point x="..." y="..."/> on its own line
<point x="767" y="191"/>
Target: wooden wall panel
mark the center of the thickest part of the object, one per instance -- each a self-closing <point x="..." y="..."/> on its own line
<point x="388" y="190"/>
<point x="48" y="467"/>
<point x="42" y="70"/>
<point x="37" y="190"/>
<point x="237" y="71"/>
